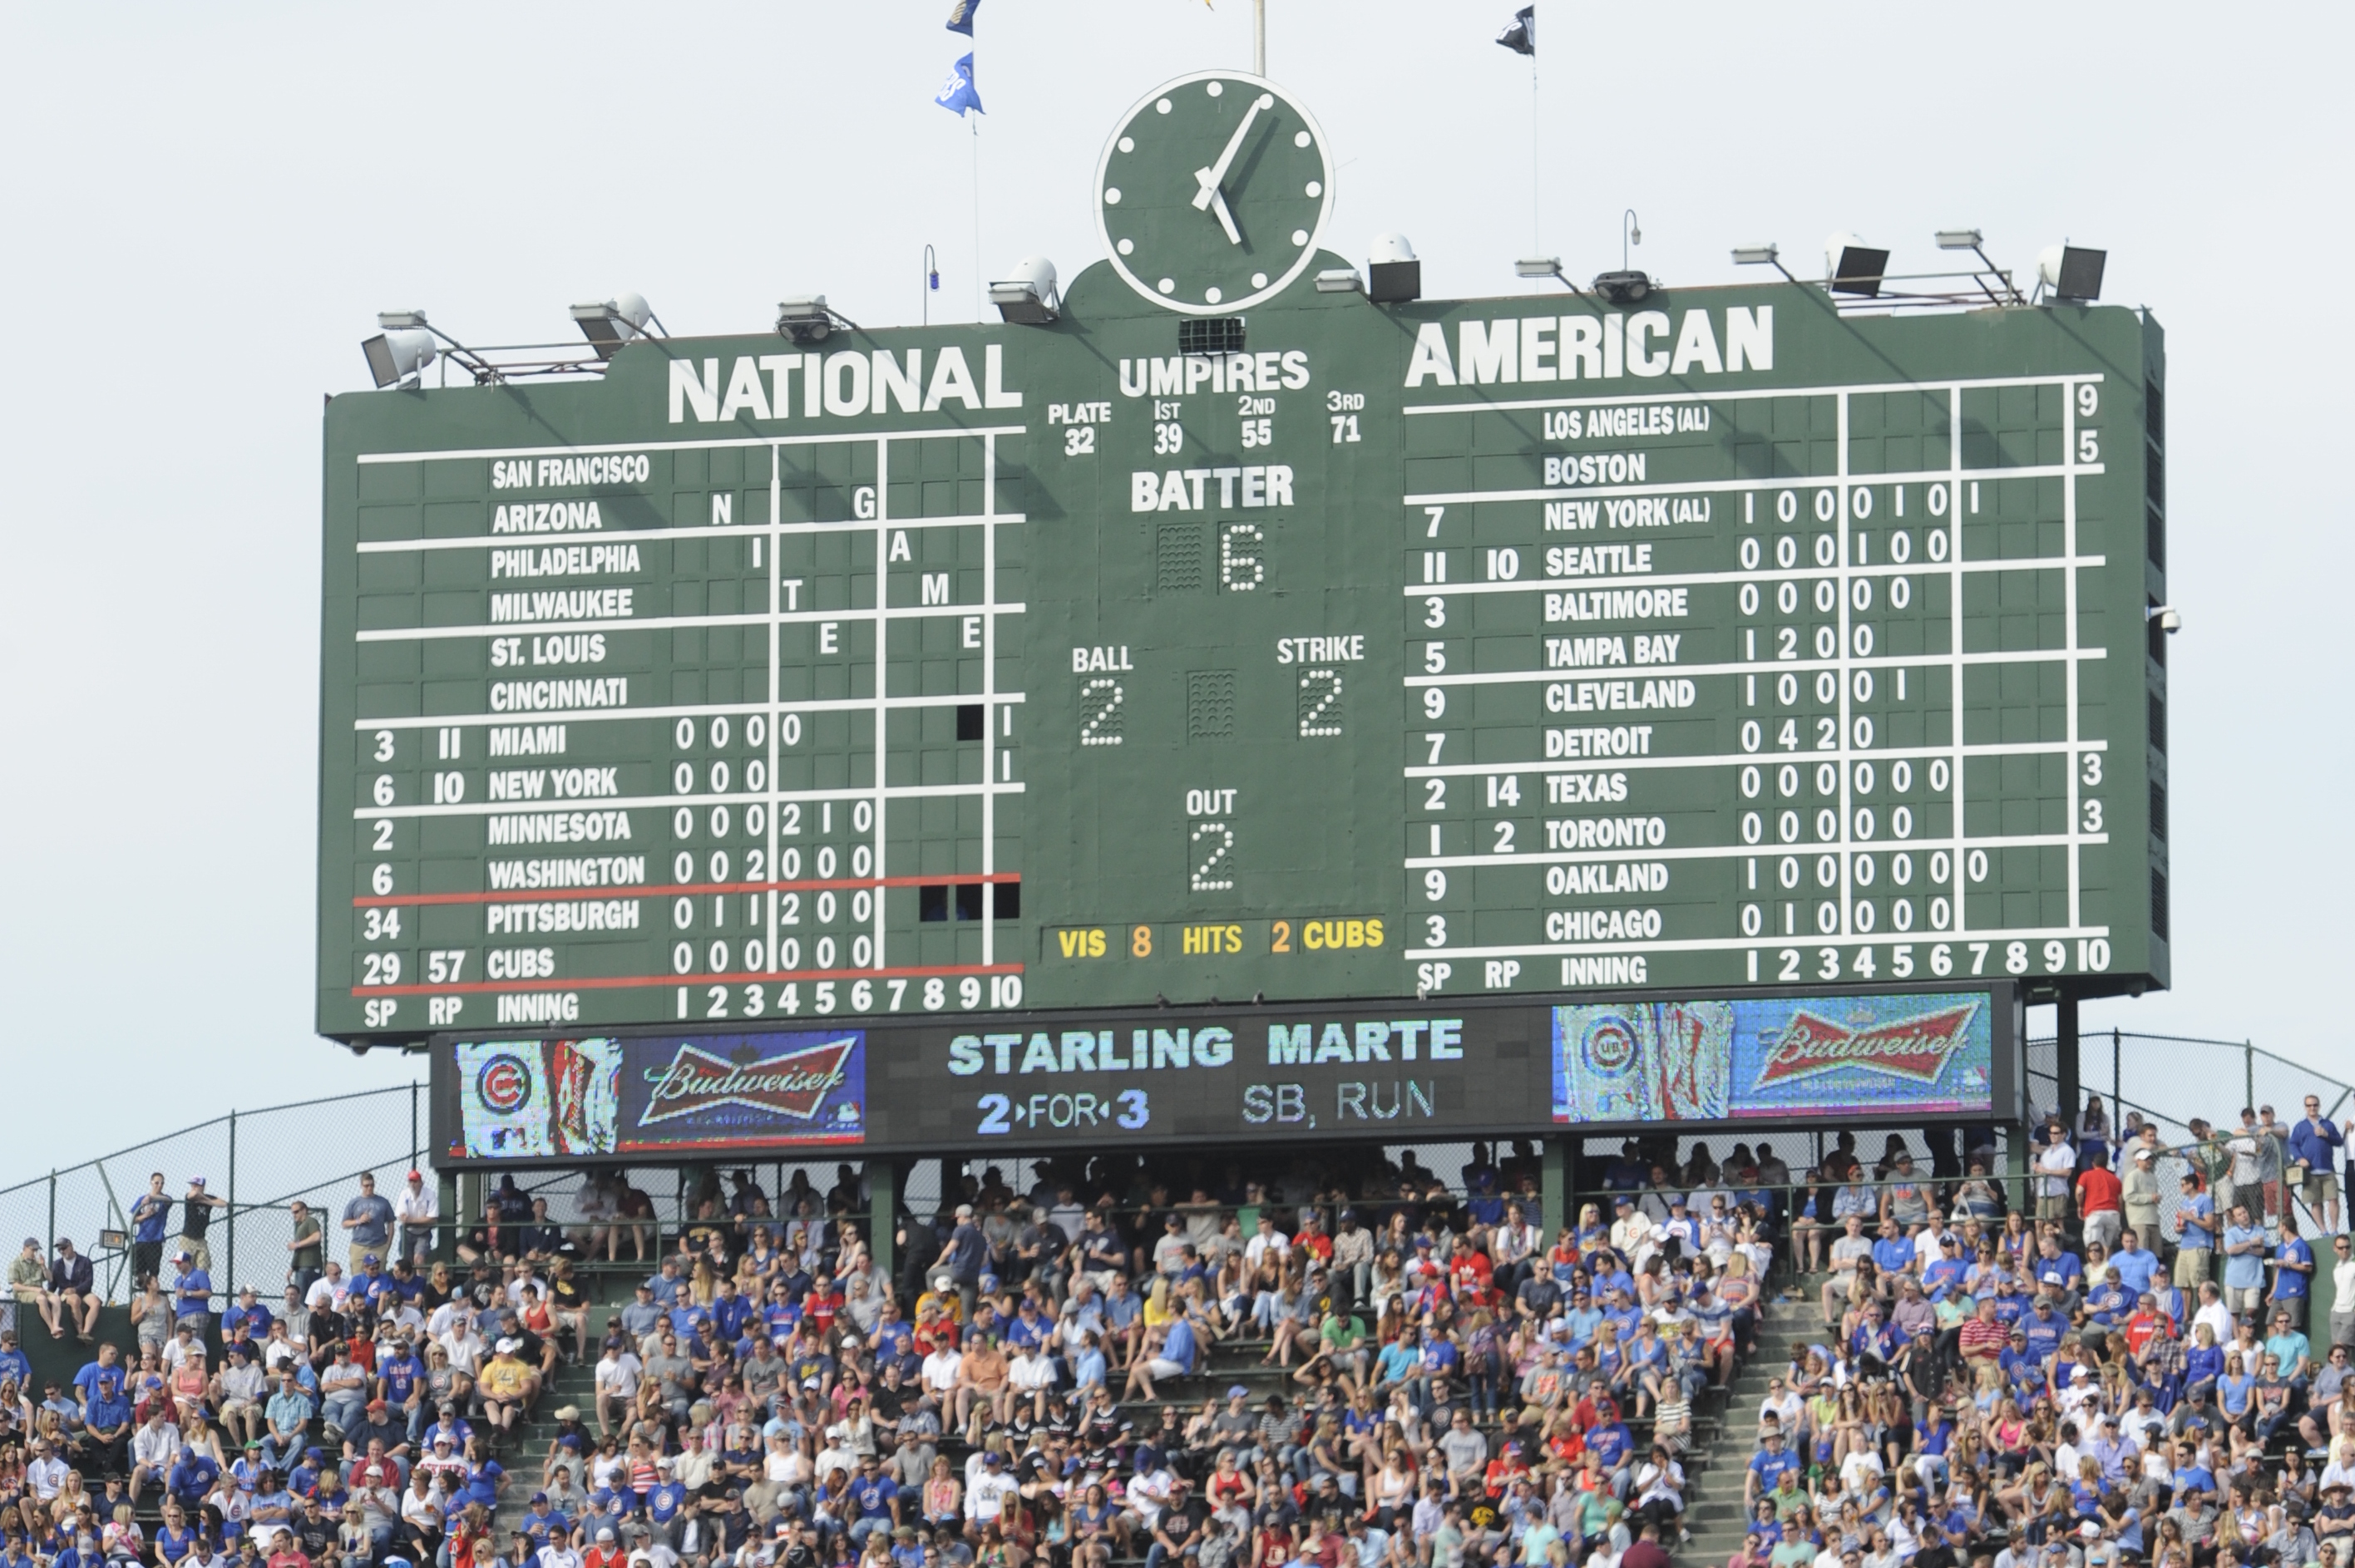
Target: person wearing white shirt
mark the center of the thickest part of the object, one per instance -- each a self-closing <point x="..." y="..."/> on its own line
<point x="416" y="1211"/>
<point x="1784" y="1404"/>
<point x="2056" y="1168"/>
<point x="940" y="1373"/>
<point x="154" y="1449"/>
<point x="2213" y="1313"/>
<point x="328" y="1291"/>
<point x="465" y="1349"/>
<point x="985" y="1498"/>
<point x="1031" y="1374"/>
<point x="1269" y="1241"/>
<point x="618" y="1373"/>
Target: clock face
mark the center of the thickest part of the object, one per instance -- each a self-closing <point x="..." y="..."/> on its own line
<point x="1212" y="194"/>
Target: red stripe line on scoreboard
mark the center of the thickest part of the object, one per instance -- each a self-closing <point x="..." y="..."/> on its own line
<point x="613" y="982"/>
<point x="519" y="895"/>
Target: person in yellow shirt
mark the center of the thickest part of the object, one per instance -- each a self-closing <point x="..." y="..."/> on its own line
<point x="506" y="1385"/>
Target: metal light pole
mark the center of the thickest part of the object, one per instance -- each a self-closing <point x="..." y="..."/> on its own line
<point x="1259" y="37"/>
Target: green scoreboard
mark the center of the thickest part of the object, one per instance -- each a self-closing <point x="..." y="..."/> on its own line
<point x="1222" y="635"/>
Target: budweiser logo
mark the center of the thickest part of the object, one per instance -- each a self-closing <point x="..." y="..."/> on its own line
<point x="1915" y="1049"/>
<point x="792" y="1086"/>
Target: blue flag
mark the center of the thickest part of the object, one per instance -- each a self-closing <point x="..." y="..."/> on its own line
<point x="957" y="94"/>
<point x="961" y="16"/>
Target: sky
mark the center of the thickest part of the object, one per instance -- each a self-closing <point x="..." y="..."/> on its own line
<point x="206" y="206"/>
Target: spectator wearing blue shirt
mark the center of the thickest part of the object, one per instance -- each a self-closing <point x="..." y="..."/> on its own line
<point x="666" y="1285"/>
<point x="2244" y="1261"/>
<point x="2195" y="1218"/>
<point x="2314" y="1143"/>
<point x="191" y="1477"/>
<point x="2043" y="1327"/>
<point x="2293" y="1264"/>
<point x="149" y="1218"/>
<point x="14" y="1364"/>
<point x="2135" y="1265"/>
<point x="1892" y="1255"/>
<point x="1767" y="1467"/>
<point x="105" y="1440"/>
<point x="368" y="1223"/>
<point x="192" y="1294"/>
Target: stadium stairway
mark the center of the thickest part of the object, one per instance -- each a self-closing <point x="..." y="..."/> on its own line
<point x="1713" y="1511"/>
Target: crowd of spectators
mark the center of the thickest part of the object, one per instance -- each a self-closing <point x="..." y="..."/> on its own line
<point x="2124" y="1371"/>
<point x="1387" y="1370"/>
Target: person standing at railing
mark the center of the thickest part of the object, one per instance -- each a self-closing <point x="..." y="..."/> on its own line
<point x="417" y="1211"/>
<point x="2056" y="1168"/>
<point x="197" y="1208"/>
<point x="149" y="1216"/>
<point x="2314" y="1145"/>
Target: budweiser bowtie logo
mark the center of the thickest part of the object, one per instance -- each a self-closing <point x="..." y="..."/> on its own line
<point x="793" y="1085"/>
<point x="1915" y="1049"/>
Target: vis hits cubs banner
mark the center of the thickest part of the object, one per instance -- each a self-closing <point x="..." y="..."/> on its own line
<point x="1779" y="1056"/>
<point x="660" y="1095"/>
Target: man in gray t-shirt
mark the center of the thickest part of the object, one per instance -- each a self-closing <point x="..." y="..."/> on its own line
<point x="1467" y="1455"/>
<point x="1851" y="1248"/>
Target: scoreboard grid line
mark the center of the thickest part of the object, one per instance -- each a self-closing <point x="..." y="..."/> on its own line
<point x="671" y="710"/>
<point x="638" y="803"/>
<point x="1743" y="395"/>
<point x="678" y="623"/>
<point x="633" y="535"/>
<point x="717" y="444"/>
<point x="1765" y="575"/>
<point x="1737" y="486"/>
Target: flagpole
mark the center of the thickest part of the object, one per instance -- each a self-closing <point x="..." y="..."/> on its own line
<point x="1537" y="180"/>
<point x="1259" y="37"/>
<point x="977" y="263"/>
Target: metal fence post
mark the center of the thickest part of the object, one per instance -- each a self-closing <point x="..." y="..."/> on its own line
<point x="53" y="1207"/>
<point x="229" y="1280"/>
<point x="2118" y="1082"/>
<point x="416" y="1149"/>
<point x="2249" y="1072"/>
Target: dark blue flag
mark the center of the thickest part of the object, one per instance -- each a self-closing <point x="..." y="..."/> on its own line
<point x="1521" y="38"/>
<point x="961" y="16"/>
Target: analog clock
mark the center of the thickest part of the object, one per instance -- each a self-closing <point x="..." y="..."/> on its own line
<point x="1212" y="194"/>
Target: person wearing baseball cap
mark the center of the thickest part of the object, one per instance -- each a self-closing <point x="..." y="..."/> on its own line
<point x="192" y="1292"/>
<point x="197" y="1217"/>
<point x="417" y="1213"/>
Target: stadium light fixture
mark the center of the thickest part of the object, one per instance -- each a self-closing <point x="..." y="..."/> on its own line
<point x="2070" y="272"/>
<point x="393" y="358"/>
<point x="1624" y="287"/>
<point x="806" y="318"/>
<point x="1767" y="255"/>
<point x="1852" y="267"/>
<point x="610" y="324"/>
<point x="1339" y="280"/>
<point x="1393" y="273"/>
<point x="1027" y="298"/>
<point x="1960" y="238"/>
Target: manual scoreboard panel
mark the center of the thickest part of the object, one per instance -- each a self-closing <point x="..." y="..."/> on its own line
<point x="1324" y="648"/>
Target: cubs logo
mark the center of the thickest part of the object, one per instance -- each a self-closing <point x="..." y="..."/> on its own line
<point x="1609" y="1045"/>
<point x="504" y="1084"/>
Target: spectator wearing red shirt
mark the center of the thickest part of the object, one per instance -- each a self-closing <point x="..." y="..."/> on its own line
<point x="1470" y="1275"/>
<point x="2101" y="1203"/>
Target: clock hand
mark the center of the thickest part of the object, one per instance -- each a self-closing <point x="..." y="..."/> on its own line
<point x="1208" y="179"/>
<point x="1226" y="218"/>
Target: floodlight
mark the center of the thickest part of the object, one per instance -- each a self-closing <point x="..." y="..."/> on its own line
<point x="1960" y="239"/>
<point x="804" y="319"/>
<point x="2072" y="272"/>
<point x="1339" y="280"/>
<point x="2166" y="617"/>
<point x="1029" y="297"/>
<point x="610" y="324"/>
<point x="1538" y="267"/>
<point x="400" y="321"/>
<point x="395" y="356"/>
<point x="1755" y="255"/>
<point x="1853" y="267"/>
<point x="1393" y="274"/>
<point x="1622" y="288"/>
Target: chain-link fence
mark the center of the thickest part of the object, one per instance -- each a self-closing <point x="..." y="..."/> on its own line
<point x="2171" y="1080"/>
<point x="255" y="1162"/>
